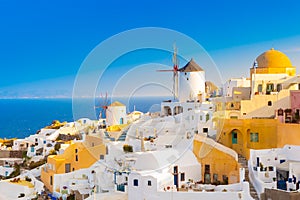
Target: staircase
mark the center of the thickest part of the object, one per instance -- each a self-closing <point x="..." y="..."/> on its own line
<point x="107" y="136"/>
<point x="122" y="136"/>
<point x="244" y="164"/>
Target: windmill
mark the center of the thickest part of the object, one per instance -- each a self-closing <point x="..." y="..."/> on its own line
<point x="175" y="72"/>
<point x="103" y="104"/>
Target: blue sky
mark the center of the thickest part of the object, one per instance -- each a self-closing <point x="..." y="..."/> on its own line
<point x="43" y="43"/>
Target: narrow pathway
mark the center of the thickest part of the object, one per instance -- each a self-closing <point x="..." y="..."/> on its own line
<point x="244" y="164"/>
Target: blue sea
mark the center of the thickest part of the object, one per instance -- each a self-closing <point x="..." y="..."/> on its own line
<point x="22" y="117"/>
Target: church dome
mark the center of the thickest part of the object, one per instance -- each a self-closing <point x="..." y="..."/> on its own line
<point x="273" y="59"/>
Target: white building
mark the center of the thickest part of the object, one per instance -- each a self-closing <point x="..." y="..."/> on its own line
<point x="36" y="144"/>
<point x="160" y="174"/>
<point x="6" y="171"/>
<point x="270" y="168"/>
<point x="235" y="82"/>
<point x="116" y="114"/>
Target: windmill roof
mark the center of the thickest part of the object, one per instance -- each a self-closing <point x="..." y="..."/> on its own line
<point x="191" y="66"/>
<point x="116" y="103"/>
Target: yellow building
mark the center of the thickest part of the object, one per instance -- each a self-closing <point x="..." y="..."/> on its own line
<point x="244" y="134"/>
<point x="78" y="155"/>
<point x="252" y="123"/>
<point x="219" y="164"/>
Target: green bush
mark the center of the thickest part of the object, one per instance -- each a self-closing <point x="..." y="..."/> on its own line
<point x="127" y="148"/>
<point x="57" y="146"/>
<point x="33" y="165"/>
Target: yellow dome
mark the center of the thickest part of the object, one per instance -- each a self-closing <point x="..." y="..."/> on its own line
<point x="273" y="59"/>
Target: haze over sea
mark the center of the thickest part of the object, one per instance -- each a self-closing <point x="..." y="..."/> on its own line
<point x="22" y="117"/>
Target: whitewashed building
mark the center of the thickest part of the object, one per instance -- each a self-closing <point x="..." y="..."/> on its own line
<point x="277" y="168"/>
<point x="116" y="114"/>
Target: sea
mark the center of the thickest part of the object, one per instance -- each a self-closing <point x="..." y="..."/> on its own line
<point x="20" y="118"/>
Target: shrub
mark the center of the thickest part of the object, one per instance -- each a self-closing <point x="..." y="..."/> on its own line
<point x="27" y="179"/>
<point x="127" y="148"/>
<point x="57" y="146"/>
<point x="33" y="165"/>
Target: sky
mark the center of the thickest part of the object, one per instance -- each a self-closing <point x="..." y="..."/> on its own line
<point x="44" y="43"/>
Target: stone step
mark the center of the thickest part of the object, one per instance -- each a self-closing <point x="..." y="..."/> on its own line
<point x="244" y="163"/>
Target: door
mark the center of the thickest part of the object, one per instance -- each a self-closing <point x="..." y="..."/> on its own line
<point x="175" y="172"/>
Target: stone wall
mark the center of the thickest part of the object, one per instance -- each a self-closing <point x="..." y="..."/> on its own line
<point x="11" y="154"/>
<point x="279" y="195"/>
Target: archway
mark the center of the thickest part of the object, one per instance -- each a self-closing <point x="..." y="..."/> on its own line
<point x="236" y="140"/>
<point x="167" y="110"/>
<point x="178" y="110"/>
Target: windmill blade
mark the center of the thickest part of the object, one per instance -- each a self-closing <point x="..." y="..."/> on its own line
<point x="165" y="70"/>
<point x="174" y="85"/>
<point x="102" y="104"/>
<point x="106" y="99"/>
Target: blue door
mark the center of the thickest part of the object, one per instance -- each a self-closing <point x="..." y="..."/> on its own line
<point x="121" y="120"/>
<point x="176" y="180"/>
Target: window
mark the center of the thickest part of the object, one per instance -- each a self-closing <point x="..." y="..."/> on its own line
<point x="215" y="178"/>
<point x="175" y="169"/>
<point x="205" y="130"/>
<point x="259" y="88"/>
<point x="233" y="117"/>
<point x="149" y="183"/>
<point x="234" y="137"/>
<point x="200" y="117"/>
<point x="254" y="137"/>
<point x="232" y="105"/>
<point x="67" y="168"/>
<point x="76" y="157"/>
<point x="51" y="180"/>
<point x="135" y="182"/>
<point x="279" y="87"/>
<point x="269" y="103"/>
<point x="76" y="150"/>
<point x="270" y="88"/>
<point x="182" y="177"/>
<point x="101" y="157"/>
<point x="207" y="169"/>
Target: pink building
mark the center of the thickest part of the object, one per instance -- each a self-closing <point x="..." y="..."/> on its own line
<point x="295" y="101"/>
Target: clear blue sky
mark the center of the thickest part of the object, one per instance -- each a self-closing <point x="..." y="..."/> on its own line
<point x="43" y="43"/>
